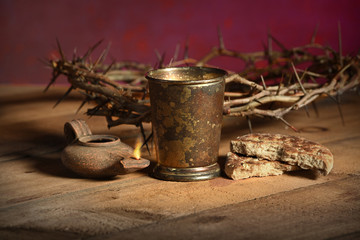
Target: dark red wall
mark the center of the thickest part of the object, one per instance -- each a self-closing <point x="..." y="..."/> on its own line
<point x="136" y="28"/>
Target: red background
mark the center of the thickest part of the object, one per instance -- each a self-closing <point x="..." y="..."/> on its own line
<point x="136" y="28"/>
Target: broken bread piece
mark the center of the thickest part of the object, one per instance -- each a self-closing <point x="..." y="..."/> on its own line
<point x="291" y="150"/>
<point x="241" y="167"/>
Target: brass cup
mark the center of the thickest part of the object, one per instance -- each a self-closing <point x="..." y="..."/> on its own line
<point x="187" y="110"/>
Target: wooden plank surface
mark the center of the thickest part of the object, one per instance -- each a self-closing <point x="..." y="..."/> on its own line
<point x="40" y="198"/>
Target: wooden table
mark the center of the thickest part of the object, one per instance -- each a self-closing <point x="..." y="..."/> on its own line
<point x="41" y="199"/>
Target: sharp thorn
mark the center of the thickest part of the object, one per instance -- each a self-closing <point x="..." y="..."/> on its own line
<point x="307" y="111"/>
<point x="106" y="52"/>
<point x="337" y="101"/>
<point x="266" y="48"/>
<point x="171" y="61"/>
<point x="263" y="82"/>
<point x="109" y="67"/>
<point x="145" y="93"/>
<point x="332" y="97"/>
<point x="315" y="109"/>
<point x="278" y="90"/>
<point x="162" y="59"/>
<point x="176" y="53"/>
<point x="279" y="86"/>
<point x="158" y="55"/>
<point x="298" y="79"/>
<point x="249" y="124"/>
<point x="81" y="105"/>
<point x="221" y="39"/>
<point x="102" y="56"/>
<point x="156" y="65"/>
<point x="144" y="137"/>
<point x="60" y="50"/>
<point x="269" y="44"/>
<point x="48" y="86"/>
<point x="159" y="63"/>
<point x="258" y="101"/>
<point x="313" y="38"/>
<point x="64" y="96"/>
<point x="99" y="60"/>
<point x="74" y="55"/>
<point x="146" y="142"/>
<point x="312" y="79"/>
<point x="55" y="76"/>
<point x="45" y="61"/>
<point x="340" y="110"/>
<point x="91" y="49"/>
<point x="288" y="124"/>
<point x="278" y="43"/>
<point x="340" y="45"/>
<point x="186" y="49"/>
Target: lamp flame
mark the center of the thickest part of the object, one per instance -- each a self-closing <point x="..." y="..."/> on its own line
<point x="137" y="152"/>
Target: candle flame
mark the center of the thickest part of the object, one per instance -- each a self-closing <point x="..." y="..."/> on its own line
<point x="137" y="152"/>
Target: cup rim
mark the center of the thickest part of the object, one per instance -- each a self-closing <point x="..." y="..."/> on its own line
<point x="220" y="75"/>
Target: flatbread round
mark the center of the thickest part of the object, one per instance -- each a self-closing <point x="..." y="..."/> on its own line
<point x="290" y="150"/>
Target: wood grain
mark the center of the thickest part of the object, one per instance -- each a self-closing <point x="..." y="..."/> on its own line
<point x="40" y="198"/>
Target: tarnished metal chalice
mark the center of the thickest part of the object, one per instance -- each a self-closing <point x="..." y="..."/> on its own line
<point x="187" y="110"/>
